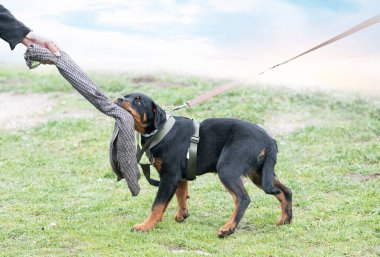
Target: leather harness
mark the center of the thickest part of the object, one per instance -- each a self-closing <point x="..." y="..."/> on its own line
<point x="156" y="138"/>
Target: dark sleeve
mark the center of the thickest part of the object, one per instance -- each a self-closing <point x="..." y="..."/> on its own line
<point x="11" y="30"/>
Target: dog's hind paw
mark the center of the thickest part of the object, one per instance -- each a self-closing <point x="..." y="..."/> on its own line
<point x="180" y="216"/>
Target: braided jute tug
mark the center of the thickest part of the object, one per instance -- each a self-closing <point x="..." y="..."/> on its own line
<point x="122" y="146"/>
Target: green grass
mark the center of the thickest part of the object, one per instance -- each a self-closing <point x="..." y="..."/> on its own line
<point x="58" y="195"/>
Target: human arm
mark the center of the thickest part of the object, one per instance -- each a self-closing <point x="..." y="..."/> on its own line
<point x="14" y="32"/>
<point x="11" y="30"/>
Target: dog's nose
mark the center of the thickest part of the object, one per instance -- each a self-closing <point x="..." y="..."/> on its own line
<point x="118" y="100"/>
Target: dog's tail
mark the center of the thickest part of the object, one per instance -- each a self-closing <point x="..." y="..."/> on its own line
<point x="268" y="169"/>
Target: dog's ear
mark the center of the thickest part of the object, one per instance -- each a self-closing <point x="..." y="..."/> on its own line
<point x="159" y="116"/>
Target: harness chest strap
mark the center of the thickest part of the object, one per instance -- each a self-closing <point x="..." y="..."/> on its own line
<point x="149" y="144"/>
<point x="192" y="154"/>
<point x="160" y="134"/>
<point x="157" y="137"/>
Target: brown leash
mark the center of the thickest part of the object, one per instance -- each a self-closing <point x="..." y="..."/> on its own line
<point x="209" y="94"/>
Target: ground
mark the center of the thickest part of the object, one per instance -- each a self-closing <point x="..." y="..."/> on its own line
<point x="40" y="106"/>
<point x="24" y="112"/>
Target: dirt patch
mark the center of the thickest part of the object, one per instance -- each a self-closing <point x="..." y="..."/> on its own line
<point x="26" y="111"/>
<point x="20" y="111"/>
<point x="146" y="79"/>
<point x="285" y="123"/>
<point x="362" y="178"/>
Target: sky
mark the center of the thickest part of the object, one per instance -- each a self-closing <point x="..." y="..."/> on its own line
<point x="217" y="38"/>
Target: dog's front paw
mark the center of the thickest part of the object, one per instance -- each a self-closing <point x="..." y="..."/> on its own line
<point x="225" y="231"/>
<point x="142" y="227"/>
<point x="283" y="221"/>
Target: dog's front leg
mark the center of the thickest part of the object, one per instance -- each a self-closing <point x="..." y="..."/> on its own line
<point x="182" y="195"/>
<point x="166" y="190"/>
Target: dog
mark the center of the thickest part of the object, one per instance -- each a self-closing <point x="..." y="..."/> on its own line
<point x="231" y="148"/>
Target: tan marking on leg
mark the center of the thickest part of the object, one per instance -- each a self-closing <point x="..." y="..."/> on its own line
<point x="158" y="164"/>
<point x="182" y="194"/>
<point x="155" y="216"/>
<point x="284" y="216"/>
<point x="285" y="204"/>
<point x="230" y="225"/>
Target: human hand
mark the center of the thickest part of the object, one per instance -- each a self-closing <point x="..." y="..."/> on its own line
<point x="32" y="38"/>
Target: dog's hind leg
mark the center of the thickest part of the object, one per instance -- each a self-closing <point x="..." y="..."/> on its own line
<point x="284" y="197"/>
<point x="182" y="195"/>
<point x="234" y="185"/>
<point x="270" y="156"/>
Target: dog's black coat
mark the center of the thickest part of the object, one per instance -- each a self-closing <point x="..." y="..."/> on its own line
<point x="231" y="148"/>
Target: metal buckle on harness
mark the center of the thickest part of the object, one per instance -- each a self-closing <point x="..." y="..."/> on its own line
<point x="194" y="139"/>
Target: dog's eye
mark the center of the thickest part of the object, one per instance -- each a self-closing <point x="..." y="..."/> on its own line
<point x="137" y="101"/>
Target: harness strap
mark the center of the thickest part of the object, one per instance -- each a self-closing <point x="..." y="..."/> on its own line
<point x="162" y="132"/>
<point x="156" y="138"/>
<point x="149" y="144"/>
<point x="146" y="166"/>
<point x="146" y="170"/>
<point x="192" y="157"/>
<point x="141" y="150"/>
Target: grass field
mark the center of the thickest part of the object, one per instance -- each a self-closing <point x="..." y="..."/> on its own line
<point x="59" y="197"/>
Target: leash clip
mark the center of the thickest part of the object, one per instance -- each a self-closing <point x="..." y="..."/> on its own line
<point x="185" y="105"/>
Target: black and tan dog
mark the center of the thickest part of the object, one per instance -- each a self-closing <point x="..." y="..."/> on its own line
<point x="232" y="148"/>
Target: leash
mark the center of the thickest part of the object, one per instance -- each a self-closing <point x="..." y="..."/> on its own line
<point x="190" y="173"/>
<point x="151" y="142"/>
<point x="210" y="94"/>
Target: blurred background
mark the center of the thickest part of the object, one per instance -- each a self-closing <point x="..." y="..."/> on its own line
<point x="216" y="38"/>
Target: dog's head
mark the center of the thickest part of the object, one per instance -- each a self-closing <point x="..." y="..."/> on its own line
<point x="147" y="114"/>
